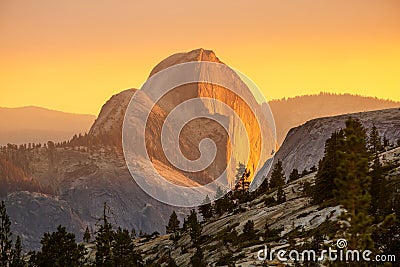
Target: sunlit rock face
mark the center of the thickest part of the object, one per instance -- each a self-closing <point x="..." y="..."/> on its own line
<point x="240" y="142"/>
<point x="244" y="144"/>
<point x="111" y="116"/>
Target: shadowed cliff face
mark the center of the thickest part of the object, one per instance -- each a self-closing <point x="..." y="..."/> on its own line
<point x="81" y="182"/>
<point x="303" y="146"/>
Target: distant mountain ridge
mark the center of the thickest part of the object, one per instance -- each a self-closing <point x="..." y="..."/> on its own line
<point x="294" y="111"/>
<point x="39" y="125"/>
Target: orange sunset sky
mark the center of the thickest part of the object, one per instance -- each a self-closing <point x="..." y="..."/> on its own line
<point x="73" y="55"/>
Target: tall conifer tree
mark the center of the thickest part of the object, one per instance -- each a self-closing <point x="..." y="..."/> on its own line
<point x="352" y="185"/>
<point x="277" y="176"/>
<point x="327" y="169"/>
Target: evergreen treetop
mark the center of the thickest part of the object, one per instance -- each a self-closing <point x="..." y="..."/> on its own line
<point x="5" y="235"/>
<point x="328" y="168"/>
<point x="277" y="176"/>
<point x="59" y="249"/>
<point x="173" y="224"/>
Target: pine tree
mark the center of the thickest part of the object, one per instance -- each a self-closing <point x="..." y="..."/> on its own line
<point x="173" y="224"/>
<point x="197" y="260"/>
<point x="171" y="263"/>
<point x="123" y="250"/>
<point x="264" y="187"/>
<point x="59" y="249"/>
<point x="313" y="169"/>
<point x="8" y="256"/>
<point x="308" y="189"/>
<point x="379" y="196"/>
<point x="374" y="141"/>
<point x="281" y="195"/>
<point x="386" y="236"/>
<point x="317" y="241"/>
<point x="240" y="172"/>
<point x="194" y="227"/>
<point x="133" y="233"/>
<point x="242" y="178"/>
<point x="5" y="235"/>
<point x="294" y="175"/>
<point x="248" y="230"/>
<point x="219" y="207"/>
<point x="277" y="176"/>
<point x="328" y="168"/>
<point x="353" y="183"/>
<point x="86" y="235"/>
<point x="378" y="182"/>
<point x="219" y="193"/>
<point x="17" y="260"/>
<point x="104" y="239"/>
<point x="218" y="203"/>
<point x="224" y="203"/>
<point x="206" y="209"/>
<point x="386" y="142"/>
<point x="195" y="234"/>
<point x="304" y="173"/>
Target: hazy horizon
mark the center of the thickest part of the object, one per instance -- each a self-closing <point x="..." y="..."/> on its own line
<point x="38" y="124"/>
<point x="272" y="100"/>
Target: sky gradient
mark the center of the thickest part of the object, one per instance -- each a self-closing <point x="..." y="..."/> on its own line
<point x="73" y="55"/>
